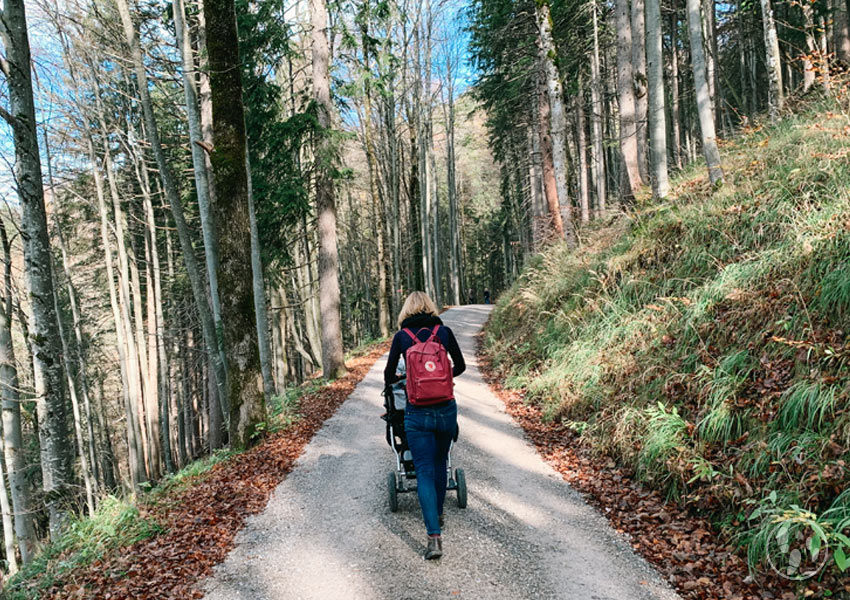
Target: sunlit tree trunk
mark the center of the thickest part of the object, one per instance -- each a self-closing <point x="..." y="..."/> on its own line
<point x="626" y="95"/>
<point x="640" y="84"/>
<point x="706" y="116"/>
<point x="13" y="449"/>
<point x="674" y="84"/>
<point x="557" y="117"/>
<point x="581" y="146"/>
<point x="199" y="166"/>
<point x="333" y="364"/>
<point x="811" y="47"/>
<point x="773" y="63"/>
<point x="657" y="117"/>
<point x="47" y="365"/>
<point x="598" y="164"/>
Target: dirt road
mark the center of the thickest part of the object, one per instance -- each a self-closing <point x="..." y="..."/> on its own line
<point x="328" y="534"/>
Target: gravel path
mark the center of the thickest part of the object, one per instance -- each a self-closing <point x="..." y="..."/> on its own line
<point x="327" y="532"/>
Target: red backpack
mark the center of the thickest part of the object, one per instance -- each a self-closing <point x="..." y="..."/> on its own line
<point x="429" y="372"/>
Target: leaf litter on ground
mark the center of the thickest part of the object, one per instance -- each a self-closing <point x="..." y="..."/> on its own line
<point x="201" y="522"/>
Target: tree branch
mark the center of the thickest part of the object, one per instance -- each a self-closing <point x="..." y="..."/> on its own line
<point x="7" y="116"/>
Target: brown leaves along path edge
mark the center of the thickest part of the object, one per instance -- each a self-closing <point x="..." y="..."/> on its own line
<point x="202" y="521"/>
<point x="683" y="548"/>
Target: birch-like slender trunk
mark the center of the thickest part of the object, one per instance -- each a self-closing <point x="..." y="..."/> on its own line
<point x="581" y="146"/>
<point x="811" y="46"/>
<point x="550" y="187"/>
<point x="626" y="95"/>
<point x="455" y="266"/>
<point x="706" y="116"/>
<point x="557" y="117"/>
<point x="333" y="364"/>
<point x="75" y="407"/>
<point x="199" y="165"/>
<point x="598" y="163"/>
<point x="170" y="188"/>
<point x="138" y="473"/>
<point x="772" y="61"/>
<point x="13" y="449"/>
<point x="640" y="86"/>
<point x="8" y="527"/>
<point x="374" y="186"/>
<point x="259" y="290"/>
<point x="165" y="390"/>
<point x="657" y="117"/>
<point x="674" y="84"/>
<point x="538" y="202"/>
<point x="53" y="433"/>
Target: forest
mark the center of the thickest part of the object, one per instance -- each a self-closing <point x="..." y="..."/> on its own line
<point x="208" y="203"/>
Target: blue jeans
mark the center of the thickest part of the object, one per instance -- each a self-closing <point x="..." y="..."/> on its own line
<point x="430" y="431"/>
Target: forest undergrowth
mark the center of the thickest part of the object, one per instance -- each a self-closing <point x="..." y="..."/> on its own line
<point x="163" y="543"/>
<point x="701" y="343"/>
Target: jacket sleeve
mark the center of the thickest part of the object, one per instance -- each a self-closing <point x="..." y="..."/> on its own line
<point x="454" y="351"/>
<point x="392" y="361"/>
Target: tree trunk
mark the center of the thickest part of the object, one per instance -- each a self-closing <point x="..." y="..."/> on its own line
<point x="168" y="185"/>
<point x="557" y="117"/>
<point x="841" y="30"/>
<point x="451" y="185"/>
<point x="657" y="118"/>
<point x="626" y="95"/>
<point x="640" y="84"/>
<point x="53" y="432"/>
<point x="199" y="166"/>
<point x="161" y="348"/>
<point x="675" y="119"/>
<point x="259" y="291"/>
<point x="581" y="143"/>
<point x="75" y="406"/>
<point x="374" y="186"/>
<point x="231" y="180"/>
<point x="538" y="206"/>
<point x="13" y="449"/>
<point x="598" y="164"/>
<point x="706" y="117"/>
<point x="550" y="187"/>
<point x="8" y="528"/>
<point x="811" y="47"/>
<point x="772" y="61"/>
<point x="333" y="364"/>
<point x="136" y="459"/>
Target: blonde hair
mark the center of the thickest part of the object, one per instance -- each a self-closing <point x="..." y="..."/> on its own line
<point x="417" y="303"/>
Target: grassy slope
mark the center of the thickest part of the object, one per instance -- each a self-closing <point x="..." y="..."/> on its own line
<point x="703" y="341"/>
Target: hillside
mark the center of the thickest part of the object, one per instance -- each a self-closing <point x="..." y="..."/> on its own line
<point x="702" y="342"/>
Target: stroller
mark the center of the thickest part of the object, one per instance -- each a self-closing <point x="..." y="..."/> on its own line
<point x="398" y="481"/>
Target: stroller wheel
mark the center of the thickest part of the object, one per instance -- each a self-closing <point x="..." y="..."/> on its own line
<point x="392" y="491"/>
<point x="460" y="477"/>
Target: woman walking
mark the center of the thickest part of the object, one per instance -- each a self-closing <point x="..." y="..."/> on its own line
<point x="430" y="429"/>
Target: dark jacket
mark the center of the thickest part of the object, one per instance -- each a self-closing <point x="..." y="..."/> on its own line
<point x="422" y="325"/>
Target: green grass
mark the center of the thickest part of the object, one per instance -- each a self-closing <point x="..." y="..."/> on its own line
<point x="115" y="524"/>
<point x="705" y="336"/>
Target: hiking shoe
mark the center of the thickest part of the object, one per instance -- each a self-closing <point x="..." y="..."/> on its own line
<point x="435" y="547"/>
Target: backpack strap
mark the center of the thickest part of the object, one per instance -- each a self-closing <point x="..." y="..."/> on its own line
<point x="415" y="339"/>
